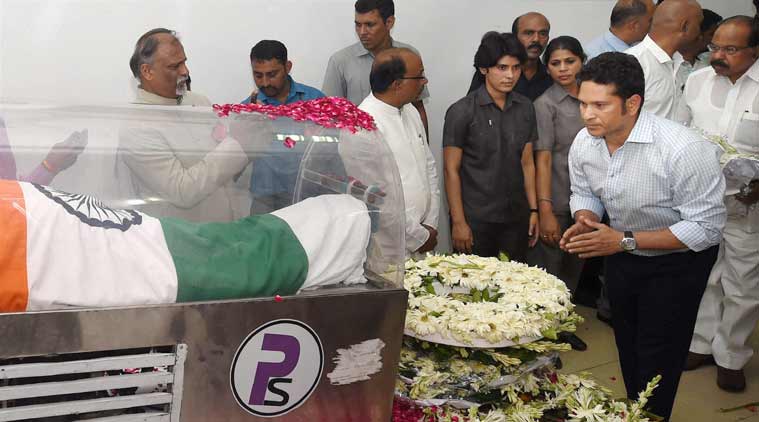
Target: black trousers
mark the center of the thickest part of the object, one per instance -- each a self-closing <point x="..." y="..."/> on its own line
<point x="492" y="238"/>
<point x="654" y="304"/>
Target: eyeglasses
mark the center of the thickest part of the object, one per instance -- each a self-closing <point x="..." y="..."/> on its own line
<point x="418" y="78"/>
<point x="729" y="50"/>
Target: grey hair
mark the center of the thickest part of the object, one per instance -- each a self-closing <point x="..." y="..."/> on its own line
<point x="145" y="48"/>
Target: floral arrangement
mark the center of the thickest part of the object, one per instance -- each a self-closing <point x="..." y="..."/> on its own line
<point x="548" y="396"/>
<point x="469" y="300"/>
<point x="480" y="347"/>
<point x="329" y="112"/>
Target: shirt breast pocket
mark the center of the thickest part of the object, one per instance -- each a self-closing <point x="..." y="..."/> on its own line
<point x="747" y="133"/>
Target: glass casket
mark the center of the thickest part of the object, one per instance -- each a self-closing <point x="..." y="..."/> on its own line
<point x="180" y="263"/>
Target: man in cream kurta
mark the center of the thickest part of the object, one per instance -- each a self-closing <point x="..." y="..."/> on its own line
<point x="723" y="99"/>
<point x="169" y="162"/>
<point x="397" y="78"/>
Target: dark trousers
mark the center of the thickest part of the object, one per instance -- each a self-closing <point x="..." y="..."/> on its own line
<point x="492" y="238"/>
<point x="654" y="303"/>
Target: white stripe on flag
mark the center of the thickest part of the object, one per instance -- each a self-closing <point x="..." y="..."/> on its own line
<point x="71" y="263"/>
<point x="334" y="231"/>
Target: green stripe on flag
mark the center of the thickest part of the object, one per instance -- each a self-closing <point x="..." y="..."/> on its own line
<point x="255" y="256"/>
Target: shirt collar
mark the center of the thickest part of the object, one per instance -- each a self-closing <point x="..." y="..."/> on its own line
<point x="359" y="50"/>
<point x="657" y="51"/>
<point x="483" y="97"/>
<point x="381" y="105"/>
<point x="145" y="97"/>
<point x="557" y="93"/>
<point x="615" y="42"/>
<point x="753" y="71"/>
<point x="642" y="132"/>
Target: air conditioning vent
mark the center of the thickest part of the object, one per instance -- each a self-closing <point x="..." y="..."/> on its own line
<point x="94" y="386"/>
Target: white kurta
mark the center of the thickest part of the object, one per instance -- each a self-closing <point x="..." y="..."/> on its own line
<point x="403" y="130"/>
<point x="730" y="308"/>
<point x="660" y="70"/>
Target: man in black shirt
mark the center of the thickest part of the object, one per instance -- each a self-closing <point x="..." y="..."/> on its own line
<point x="533" y="29"/>
<point x="487" y="149"/>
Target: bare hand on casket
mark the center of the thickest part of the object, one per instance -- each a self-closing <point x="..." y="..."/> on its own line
<point x="64" y="154"/>
<point x="431" y="241"/>
<point x="595" y="239"/>
<point x="751" y="195"/>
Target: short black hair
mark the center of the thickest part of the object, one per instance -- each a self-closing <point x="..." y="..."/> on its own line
<point x="564" y="42"/>
<point x="386" y="8"/>
<point x="493" y="46"/>
<point x="383" y="74"/>
<point x="711" y="20"/>
<point x="624" y="12"/>
<point x="145" y="48"/>
<point x="268" y="50"/>
<point x="618" y="69"/>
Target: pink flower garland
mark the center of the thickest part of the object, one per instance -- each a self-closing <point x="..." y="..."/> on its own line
<point x="330" y="112"/>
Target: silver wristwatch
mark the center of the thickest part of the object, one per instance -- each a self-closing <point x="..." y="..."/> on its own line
<point x="628" y="243"/>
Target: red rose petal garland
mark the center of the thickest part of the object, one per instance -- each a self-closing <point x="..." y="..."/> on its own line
<point x="330" y="112"/>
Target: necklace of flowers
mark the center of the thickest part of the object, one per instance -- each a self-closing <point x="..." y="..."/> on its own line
<point x="475" y="301"/>
<point x="329" y="112"/>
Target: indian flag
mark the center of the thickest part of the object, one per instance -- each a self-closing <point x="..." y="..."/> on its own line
<point x="60" y="250"/>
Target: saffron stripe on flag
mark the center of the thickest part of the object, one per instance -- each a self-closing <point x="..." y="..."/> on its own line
<point x="13" y="276"/>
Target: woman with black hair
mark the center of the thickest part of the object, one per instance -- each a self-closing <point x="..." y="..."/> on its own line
<point x="558" y="118"/>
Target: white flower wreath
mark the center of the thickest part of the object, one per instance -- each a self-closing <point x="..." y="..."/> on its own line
<point x="471" y="301"/>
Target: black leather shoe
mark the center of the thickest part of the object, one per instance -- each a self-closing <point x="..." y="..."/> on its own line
<point x="697" y="360"/>
<point x="731" y="380"/>
<point x="604" y="318"/>
<point x="573" y="340"/>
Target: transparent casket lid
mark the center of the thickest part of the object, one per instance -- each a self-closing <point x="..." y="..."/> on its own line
<point x="338" y="189"/>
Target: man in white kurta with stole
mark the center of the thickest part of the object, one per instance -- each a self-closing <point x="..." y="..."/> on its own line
<point x="397" y="78"/>
<point x="724" y="100"/>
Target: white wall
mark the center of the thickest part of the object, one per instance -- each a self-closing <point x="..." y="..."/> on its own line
<point x="78" y="50"/>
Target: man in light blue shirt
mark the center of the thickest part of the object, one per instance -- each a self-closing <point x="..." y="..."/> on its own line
<point x="661" y="185"/>
<point x="271" y="74"/>
<point x="630" y="22"/>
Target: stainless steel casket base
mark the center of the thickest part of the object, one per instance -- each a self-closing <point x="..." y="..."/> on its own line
<point x="209" y="333"/>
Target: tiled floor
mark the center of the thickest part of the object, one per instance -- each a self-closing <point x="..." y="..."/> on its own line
<point x="698" y="398"/>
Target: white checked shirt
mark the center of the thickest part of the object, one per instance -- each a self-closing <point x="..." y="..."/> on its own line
<point x="662" y="95"/>
<point x="664" y="176"/>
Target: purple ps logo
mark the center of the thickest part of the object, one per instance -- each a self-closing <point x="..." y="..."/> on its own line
<point x="277" y="368"/>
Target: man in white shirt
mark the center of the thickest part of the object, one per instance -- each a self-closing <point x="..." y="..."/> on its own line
<point x="630" y="22"/>
<point x="676" y="23"/>
<point x="724" y="100"/>
<point x="397" y="78"/>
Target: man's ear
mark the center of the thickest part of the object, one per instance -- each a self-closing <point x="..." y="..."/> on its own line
<point x="634" y="104"/>
<point x="390" y="22"/>
<point x="146" y="73"/>
<point x="288" y="66"/>
<point x="483" y="70"/>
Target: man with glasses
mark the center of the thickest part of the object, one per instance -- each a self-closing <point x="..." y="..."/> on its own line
<point x="724" y="99"/>
<point x="397" y="78"/>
